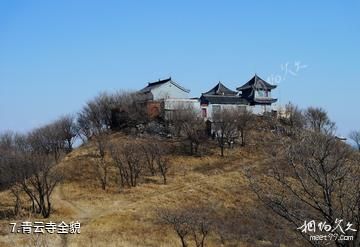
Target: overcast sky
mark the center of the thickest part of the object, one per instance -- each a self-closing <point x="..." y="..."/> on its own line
<point x="55" y="55"/>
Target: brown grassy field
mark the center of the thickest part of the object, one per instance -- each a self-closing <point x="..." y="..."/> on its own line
<point x="127" y="217"/>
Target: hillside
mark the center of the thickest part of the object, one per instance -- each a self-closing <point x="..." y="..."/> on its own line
<point x="128" y="217"/>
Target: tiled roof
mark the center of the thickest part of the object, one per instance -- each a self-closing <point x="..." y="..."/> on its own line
<point x="220" y="89"/>
<point x="152" y="85"/>
<point x="256" y="83"/>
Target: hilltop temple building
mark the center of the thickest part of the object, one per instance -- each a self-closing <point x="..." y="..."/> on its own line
<point x="257" y="92"/>
<point x="163" y="97"/>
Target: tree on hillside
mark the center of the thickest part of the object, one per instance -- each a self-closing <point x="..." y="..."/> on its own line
<point x="355" y="137"/>
<point x="155" y="157"/>
<point x="293" y="118"/>
<point x="129" y="159"/>
<point x="32" y="166"/>
<point x="129" y="110"/>
<point x="226" y="127"/>
<point x="10" y="166"/>
<point x="110" y="111"/>
<point x="189" y="223"/>
<point x="188" y="122"/>
<point x="40" y="181"/>
<point x="317" y="119"/>
<point x="68" y="130"/>
<point x="30" y="163"/>
<point x="179" y="221"/>
<point x="95" y="117"/>
<point x="162" y="161"/>
<point x="194" y="130"/>
<point x="244" y="119"/>
<point x="315" y="177"/>
<point x="101" y="164"/>
<point x="6" y="141"/>
<point x="150" y="150"/>
<point x="44" y="149"/>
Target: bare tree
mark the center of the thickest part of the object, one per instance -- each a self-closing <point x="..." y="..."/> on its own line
<point x="101" y="165"/>
<point x="118" y="160"/>
<point x="16" y="192"/>
<point x="226" y="128"/>
<point x="201" y="224"/>
<point x="293" y="118"/>
<point x="45" y="148"/>
<point x="41" y="183"/>
<point x="6" y="141"/>
<point x="244" y="119"/>
<point x="355" y="137"/>
<point x="155" y="156"/>
<point x="48" y="140"/>
<point x="129" y="160"/>
<point x="163" y="163"/>
<point x="6" y="153"/>
<point x="195" y="133"/>
<point x="9" y="167"/>
<point x="315" y="177"/>
<point x="150" y="150"/>
<point x="189" y="223"/>
<point x="188" y="122"/>
<point x="29" y="163"/>
<point x="179" y="221"/>
<point x="317" y="119"/>
<point x="110" y="111"/>
<point x="67" y="129"/>
<point x="32" y="167"/>
<point x="129" y="110"/>
<point x="96" y="116"/>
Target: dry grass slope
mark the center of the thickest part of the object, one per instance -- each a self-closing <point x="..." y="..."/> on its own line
<point x="127" y="217"/>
